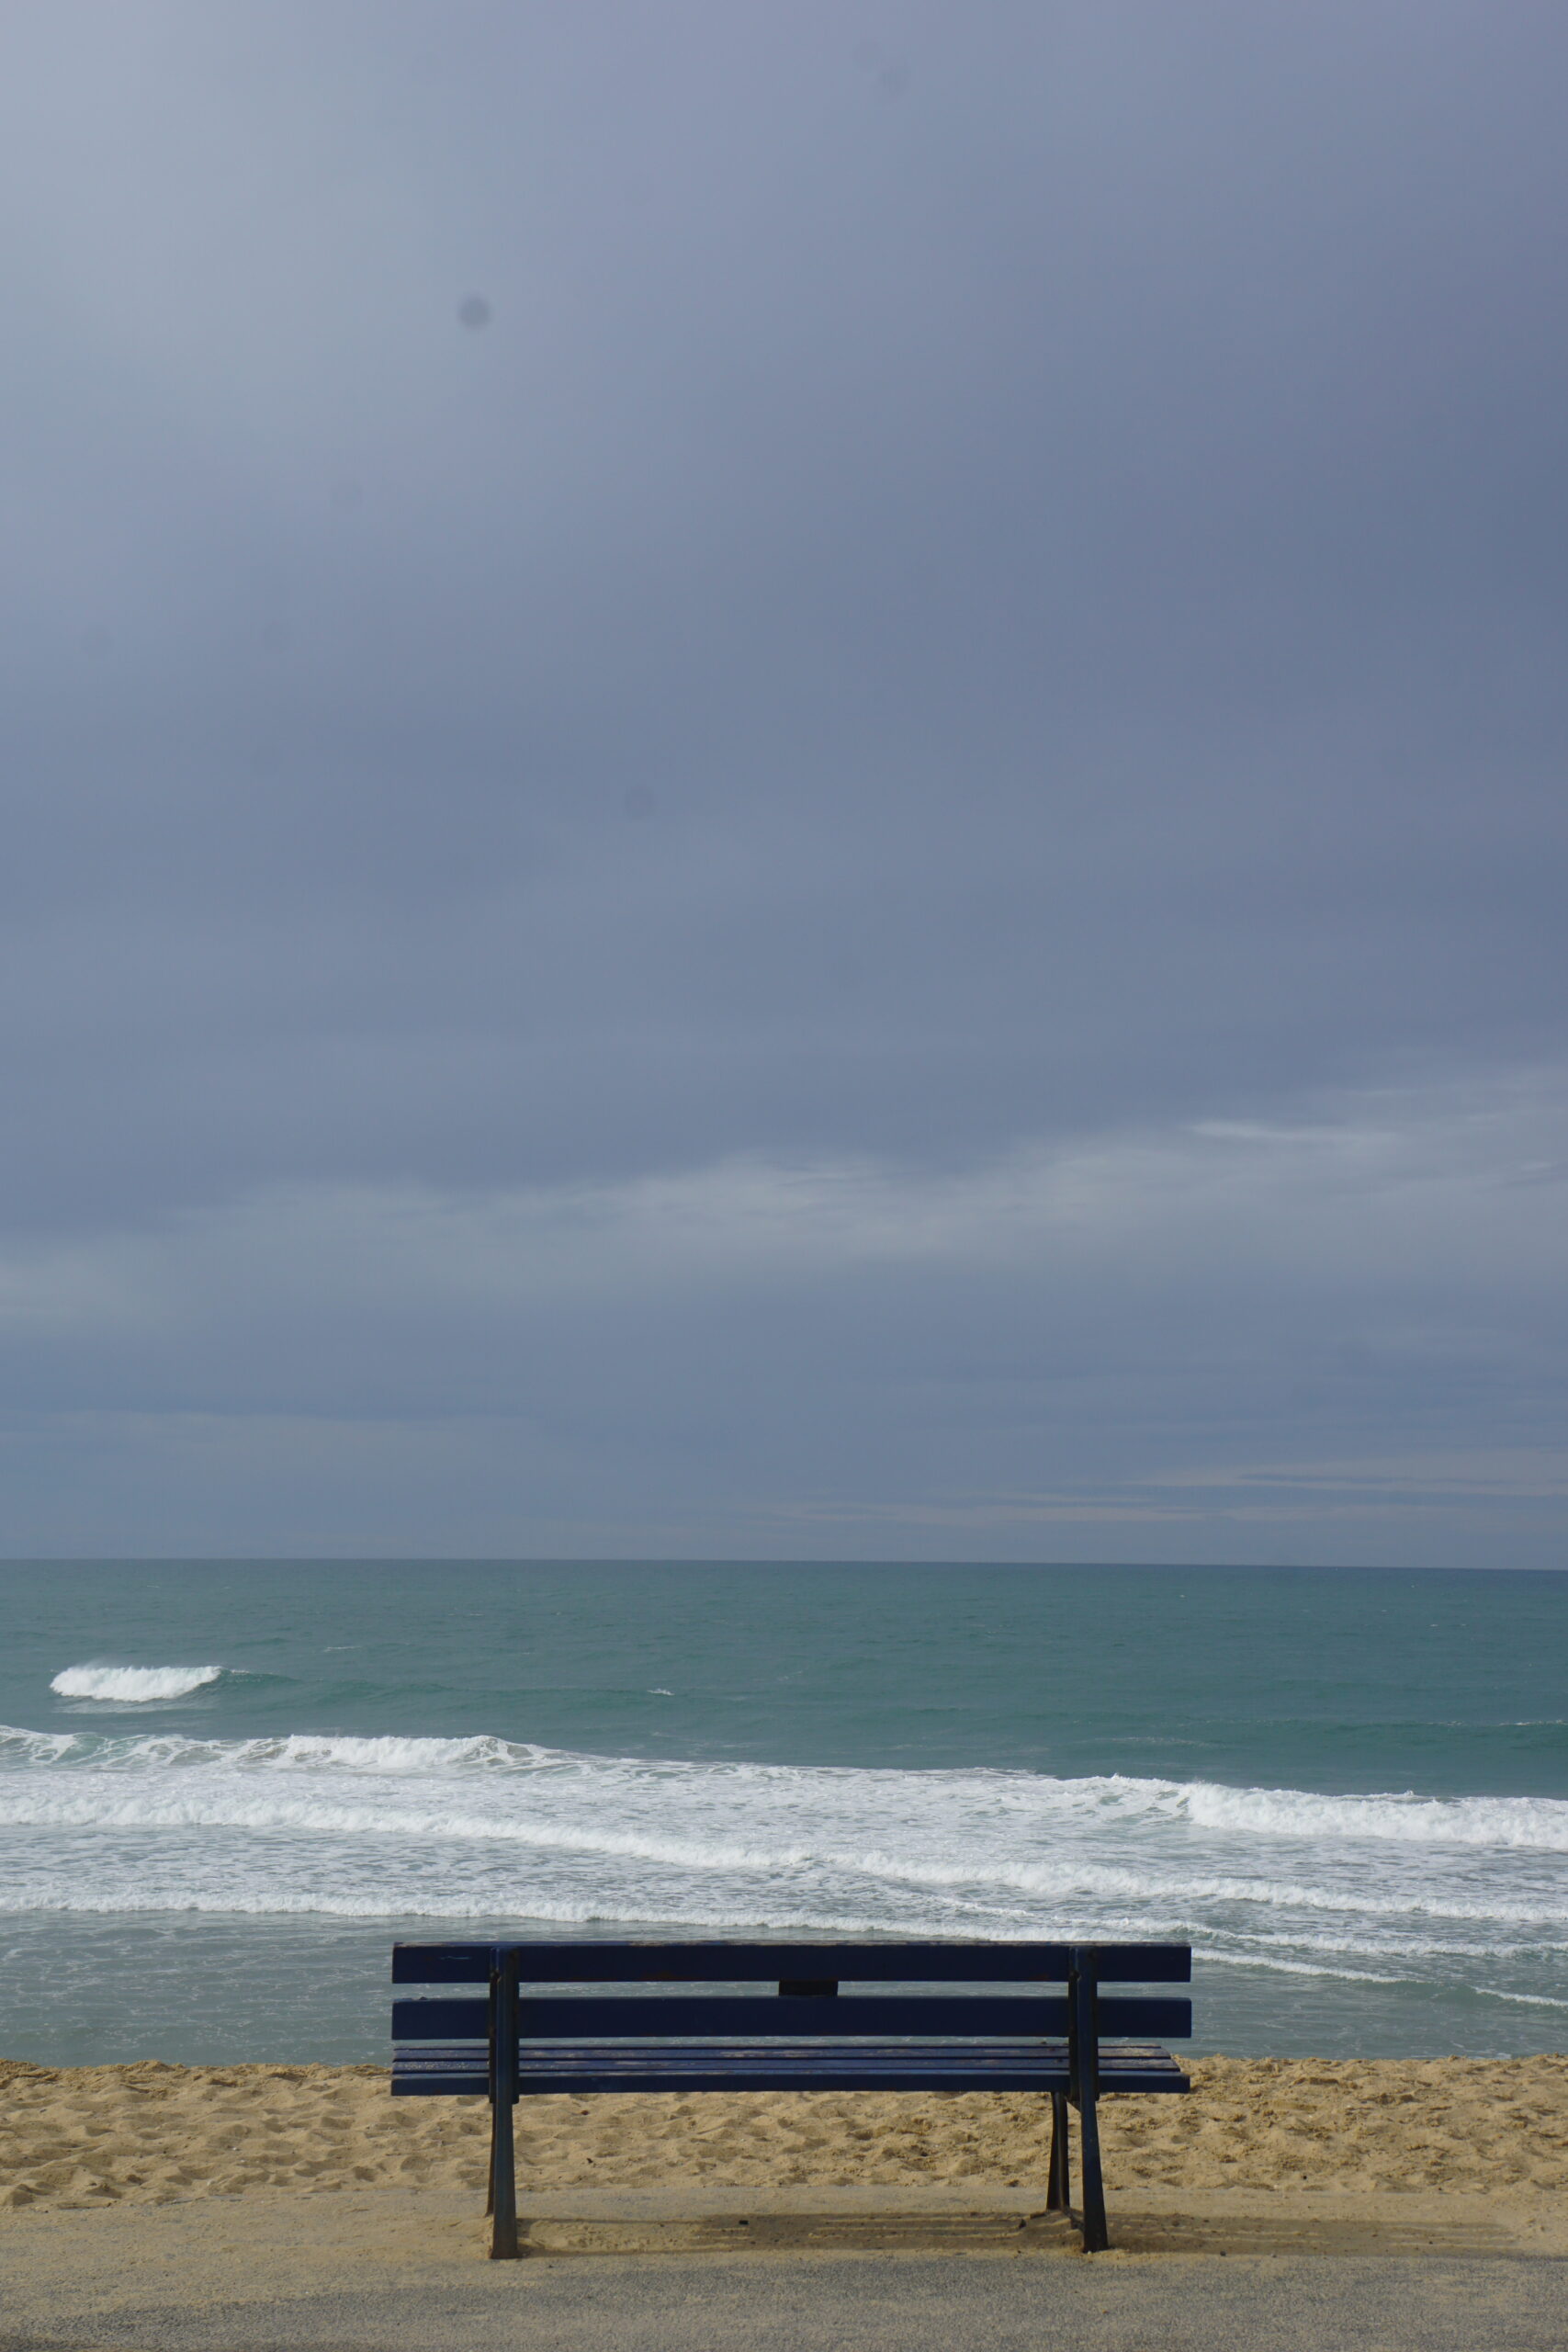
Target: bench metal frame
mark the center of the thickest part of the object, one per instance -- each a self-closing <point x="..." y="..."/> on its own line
<point x="511" y="2041"/>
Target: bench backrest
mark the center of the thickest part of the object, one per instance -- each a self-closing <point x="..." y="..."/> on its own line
<point x="807" y="1976"/>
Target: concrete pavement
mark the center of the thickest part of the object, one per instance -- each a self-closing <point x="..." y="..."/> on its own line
<point x="811" y="2271"/>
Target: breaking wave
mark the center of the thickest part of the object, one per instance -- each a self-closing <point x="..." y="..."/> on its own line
<point x="361" y="1827"/>
<point x="132" y="1685"/>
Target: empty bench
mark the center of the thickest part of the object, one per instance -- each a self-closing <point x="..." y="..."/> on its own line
<point x="934" y="2032"/>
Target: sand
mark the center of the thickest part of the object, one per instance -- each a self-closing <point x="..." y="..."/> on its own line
<point x="183" y="2209"/>
<point x="73" y="2139"/>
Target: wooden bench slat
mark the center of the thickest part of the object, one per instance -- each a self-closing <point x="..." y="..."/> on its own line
<point x="672" y="2016"/>
<point x="717" y="2066"/>
<point x="739" y="1963"/>
<point x="583" y="2081"/>
<point x="474" y="2053"/>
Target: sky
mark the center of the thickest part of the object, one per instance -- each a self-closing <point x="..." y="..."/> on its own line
<point x="784" y="783"/>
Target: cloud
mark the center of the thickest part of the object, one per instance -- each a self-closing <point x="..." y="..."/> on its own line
<point x="1461" y="1186"/>
<point x="822" y="1349"/>
<point x="901" y="843"/>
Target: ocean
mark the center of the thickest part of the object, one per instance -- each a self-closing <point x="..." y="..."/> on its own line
<point x="226" y="1787"/>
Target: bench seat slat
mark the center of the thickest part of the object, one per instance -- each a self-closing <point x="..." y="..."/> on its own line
<point x="762" y="2065"/>
<point x="739" y="1963"/>
<point x="675" y="2016"/>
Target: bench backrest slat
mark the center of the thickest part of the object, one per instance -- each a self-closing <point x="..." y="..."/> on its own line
<point x="739" y="1963"/>
<point x="671" y="2017"/>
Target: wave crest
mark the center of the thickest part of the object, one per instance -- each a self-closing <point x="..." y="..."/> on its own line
<point x="133" y="1685"/>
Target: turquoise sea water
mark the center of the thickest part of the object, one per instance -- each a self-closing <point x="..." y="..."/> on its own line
<point x="225" y="1787"/>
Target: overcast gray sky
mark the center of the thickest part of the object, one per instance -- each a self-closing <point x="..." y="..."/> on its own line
<point x="785" y="780"/>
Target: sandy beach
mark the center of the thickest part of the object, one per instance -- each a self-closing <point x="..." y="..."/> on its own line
<point x="76" y="2138"/>
<point x="186" y="2209"/>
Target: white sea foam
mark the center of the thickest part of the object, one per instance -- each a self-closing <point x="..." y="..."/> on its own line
<point x="1539" y="1823"/>
<point x="19" y="1747"/>
<point x="364" y="1827"/>
<point x="133" y="1685"/>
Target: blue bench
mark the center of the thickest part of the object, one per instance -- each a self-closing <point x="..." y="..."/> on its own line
<point x="511" y="2039"/>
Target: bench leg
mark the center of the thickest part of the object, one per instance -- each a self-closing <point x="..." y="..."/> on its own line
<point x="1095" y="2236"/>
<point x="1059" y="2189"/>
<point x="503" y="2098"/>
<point x="502" y="2185"/>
